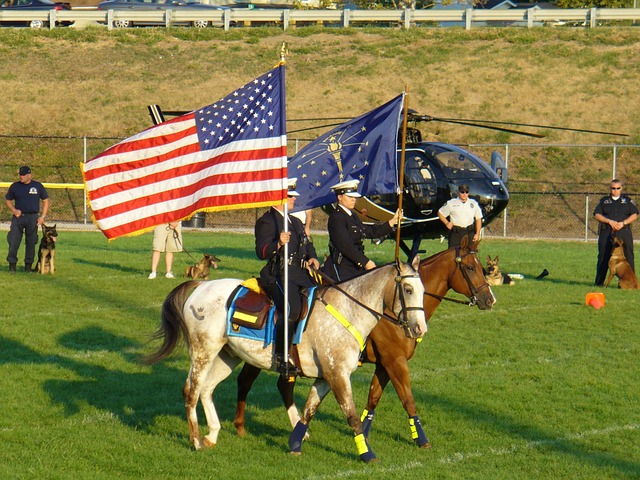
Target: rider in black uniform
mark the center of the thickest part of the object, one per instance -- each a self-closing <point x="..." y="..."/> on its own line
<point x="270" y="240"/>
<point x="346" y="234"/>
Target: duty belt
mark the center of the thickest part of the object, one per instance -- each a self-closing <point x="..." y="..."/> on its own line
<point x="293" y="261"/>
<point x="470" y="228"/>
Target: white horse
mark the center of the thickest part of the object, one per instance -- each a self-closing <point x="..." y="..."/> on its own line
<point x="342" y="317"/>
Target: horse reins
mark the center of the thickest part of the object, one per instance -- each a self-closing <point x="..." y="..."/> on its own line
<point x="375" y="313"/>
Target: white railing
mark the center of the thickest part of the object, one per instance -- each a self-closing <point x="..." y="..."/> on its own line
<point x="291" y="18"/>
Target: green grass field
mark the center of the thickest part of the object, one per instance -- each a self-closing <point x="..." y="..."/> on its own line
<point x="542" y="386"/>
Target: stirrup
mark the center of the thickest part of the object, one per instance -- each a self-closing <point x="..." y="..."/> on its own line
<point x="287" y="369"/>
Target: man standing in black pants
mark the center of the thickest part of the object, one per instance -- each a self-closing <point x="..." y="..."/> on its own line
<point x="23" y="199"/>
<point x="462" y="216"/>
<point x="615" y="212"/>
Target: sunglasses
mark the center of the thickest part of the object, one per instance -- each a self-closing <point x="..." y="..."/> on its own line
<point x="616" y="188"/>
<point x="464" y="191"/>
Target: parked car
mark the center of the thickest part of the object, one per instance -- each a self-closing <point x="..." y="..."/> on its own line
<point x="160" y="5"/>
<point x="16" y="5"/>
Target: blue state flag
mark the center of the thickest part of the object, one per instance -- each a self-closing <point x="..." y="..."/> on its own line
<point x="361" y="149"/>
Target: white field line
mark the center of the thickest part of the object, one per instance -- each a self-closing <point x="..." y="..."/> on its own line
<point x="490" y="452"/>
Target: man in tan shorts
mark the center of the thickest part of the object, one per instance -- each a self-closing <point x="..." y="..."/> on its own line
<point x="167" y="239"/>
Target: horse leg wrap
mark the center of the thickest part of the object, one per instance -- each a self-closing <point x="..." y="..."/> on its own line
<point x="366" y="418"/>
<point x="296" y="437"/>
<point x="417" y="433"/>
<point x="364" y="450"/>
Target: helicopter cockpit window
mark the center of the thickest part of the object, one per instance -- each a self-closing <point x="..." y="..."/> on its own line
<point x="420" y="182"/>
<point x="456" y="162"/>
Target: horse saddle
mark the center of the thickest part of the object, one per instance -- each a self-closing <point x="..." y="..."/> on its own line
<point x="249" y="307"/>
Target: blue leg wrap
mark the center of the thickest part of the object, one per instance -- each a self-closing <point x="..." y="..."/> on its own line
<point x="417" y="433"/>
<point x="367" y="418"/>
<point x="296" y="437"/>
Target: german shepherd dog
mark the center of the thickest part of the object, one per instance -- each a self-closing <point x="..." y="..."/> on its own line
<point x="494" y="276"/>
<point x="619" y="266"/>
<point x="201" y="269"/>
<point x="47" y="250"/>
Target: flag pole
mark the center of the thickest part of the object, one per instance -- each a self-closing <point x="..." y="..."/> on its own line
<point x="402" y="155"/>
<point x="285" y="287"/>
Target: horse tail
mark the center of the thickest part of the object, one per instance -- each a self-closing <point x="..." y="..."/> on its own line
<point x="173" y="324"/>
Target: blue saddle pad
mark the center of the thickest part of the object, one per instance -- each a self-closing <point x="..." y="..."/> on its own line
<point x="266" y="334"/>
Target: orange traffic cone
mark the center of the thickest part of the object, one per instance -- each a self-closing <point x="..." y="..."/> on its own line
<point x="595" y="299"/>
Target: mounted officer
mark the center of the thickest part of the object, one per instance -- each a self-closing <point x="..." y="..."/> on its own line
<point x="270" y="241"/>
<point x="346" y="234"/>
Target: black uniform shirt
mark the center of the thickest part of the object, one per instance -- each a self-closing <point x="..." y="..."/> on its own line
<point x="616" y="210"/>
<point x="267" y="233"/>
<point x="27" y="196"/>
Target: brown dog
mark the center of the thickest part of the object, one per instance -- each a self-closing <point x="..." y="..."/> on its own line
<point x="619" y="266"/>
<point x="201" y="269"/>
<point x="47" y="251"/>
<point x="494" y="276"/>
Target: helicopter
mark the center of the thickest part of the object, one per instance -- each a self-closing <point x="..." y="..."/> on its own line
<point x="432" y="173"/>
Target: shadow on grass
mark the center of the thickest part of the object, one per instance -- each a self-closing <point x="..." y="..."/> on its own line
<point x="111" y="266"/>
<point x="531" y="434"/>
<point x="137" y="396"/>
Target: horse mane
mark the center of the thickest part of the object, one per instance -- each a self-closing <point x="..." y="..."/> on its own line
<point x="436" y="256"/>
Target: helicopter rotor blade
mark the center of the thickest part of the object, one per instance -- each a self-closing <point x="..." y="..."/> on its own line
<point x="415" y="117"/>
<point x="324" y="119"/>
<point x="428" y="118"/>
<point x="533" y="125"/>
<point x="489" y="124"/>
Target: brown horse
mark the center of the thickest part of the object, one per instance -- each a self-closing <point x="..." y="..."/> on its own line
<point x="343" y="317"/>
<point x="456" y="268"/>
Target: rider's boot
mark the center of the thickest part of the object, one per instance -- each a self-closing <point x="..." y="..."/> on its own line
<point x="286" y="369"/>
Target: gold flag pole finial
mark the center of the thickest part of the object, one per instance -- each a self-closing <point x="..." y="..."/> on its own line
<point x="283" y="51"/>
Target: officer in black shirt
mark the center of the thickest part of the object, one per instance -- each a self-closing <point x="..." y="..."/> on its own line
<point x="615" y="212"/>
<point x="270" y="240"/>
<point x="23" y="199"/>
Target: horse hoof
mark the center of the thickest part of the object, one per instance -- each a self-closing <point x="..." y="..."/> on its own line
<point x="241" y="432"/>
<point x="296" y="454"/>
<point x="426" y="445"/>
<point x="208" y="443"/>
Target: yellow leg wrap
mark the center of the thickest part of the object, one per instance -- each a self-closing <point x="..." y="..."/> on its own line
<point x="412" y="426"/>
<point x="361" y="444"/>
<point x="365" y="412"/>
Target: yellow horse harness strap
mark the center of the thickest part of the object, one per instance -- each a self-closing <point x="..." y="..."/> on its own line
<point x="345" y="323"/>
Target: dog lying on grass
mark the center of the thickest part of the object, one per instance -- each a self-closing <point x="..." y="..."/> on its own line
<point x="47" y="251"/>
<point x="619" y="266"/>
<point x="493" y="275"/>
<point x="201" y="269"/>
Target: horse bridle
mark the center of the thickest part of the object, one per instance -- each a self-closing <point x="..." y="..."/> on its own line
<point x="473" y="299"/>
<point x="404" y="323"/>
<point x="398" y="292"/>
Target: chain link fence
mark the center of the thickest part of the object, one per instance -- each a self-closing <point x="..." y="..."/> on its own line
<point x="553" y="188"/>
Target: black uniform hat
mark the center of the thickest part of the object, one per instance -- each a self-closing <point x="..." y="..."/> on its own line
<point x="24" y="170"/>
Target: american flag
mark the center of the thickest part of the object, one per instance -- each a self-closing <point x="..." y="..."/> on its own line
<point x="228" y="155"/>
<point x="361" y="149"/>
